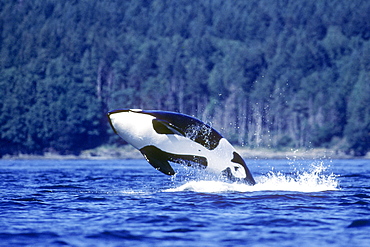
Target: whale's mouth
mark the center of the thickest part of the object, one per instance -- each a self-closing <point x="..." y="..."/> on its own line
<point x="110" y="122"/>
<point x="110" y="113"/>
<point x="118" y="111"/>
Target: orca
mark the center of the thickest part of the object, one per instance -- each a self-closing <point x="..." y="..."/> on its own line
<point x="163" y="137"/>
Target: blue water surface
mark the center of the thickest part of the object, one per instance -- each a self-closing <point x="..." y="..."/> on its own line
<point x="128" y="203"/>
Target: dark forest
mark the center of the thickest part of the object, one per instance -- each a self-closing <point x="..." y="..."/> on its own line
<point x="274" y="74"/>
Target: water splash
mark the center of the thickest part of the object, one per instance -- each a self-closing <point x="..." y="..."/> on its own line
<point x="313" y="180"/>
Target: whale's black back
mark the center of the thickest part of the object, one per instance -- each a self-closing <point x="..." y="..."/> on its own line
<point x="191" y="127"/>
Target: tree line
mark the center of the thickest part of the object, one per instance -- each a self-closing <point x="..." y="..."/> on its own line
<point x="284" y="73"/>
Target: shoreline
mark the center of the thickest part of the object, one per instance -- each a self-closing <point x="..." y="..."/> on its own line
<point x="129" y="152"/>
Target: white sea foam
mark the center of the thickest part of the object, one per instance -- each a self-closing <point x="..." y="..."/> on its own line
<point x="313" y="180"/>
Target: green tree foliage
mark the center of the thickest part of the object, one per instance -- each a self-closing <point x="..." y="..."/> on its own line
<point x="266" y="73"/>
<point x="358" y="127"/>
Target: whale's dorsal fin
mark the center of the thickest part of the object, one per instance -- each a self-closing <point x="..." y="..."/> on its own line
<point x="164" y="127"/>
<point x="158" y="159"/>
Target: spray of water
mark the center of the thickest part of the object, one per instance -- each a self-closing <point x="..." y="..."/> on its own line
<point x="313" y="180"/>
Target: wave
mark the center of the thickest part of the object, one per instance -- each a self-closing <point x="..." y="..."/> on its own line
<point x="307" y="181"/>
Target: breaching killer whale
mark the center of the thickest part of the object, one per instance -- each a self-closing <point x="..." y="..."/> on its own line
<point x="163" y="136"/>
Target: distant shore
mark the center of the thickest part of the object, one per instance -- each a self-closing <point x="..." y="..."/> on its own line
<point x="128" y="152"/>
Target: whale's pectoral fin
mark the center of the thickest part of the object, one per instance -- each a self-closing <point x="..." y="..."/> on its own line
<point x="190" y="160"/>
<point x="164" y="127"/>
<point x="158" y="159"/>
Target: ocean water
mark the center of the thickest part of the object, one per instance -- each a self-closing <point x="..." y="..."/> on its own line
<point x="128" y="203"/>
